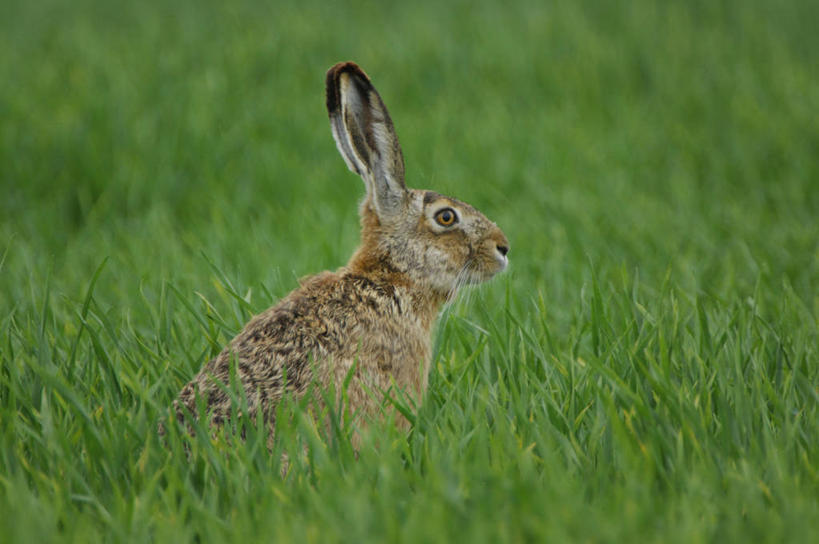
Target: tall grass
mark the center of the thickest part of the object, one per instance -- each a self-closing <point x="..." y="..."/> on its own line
<point x="646" y="370"/>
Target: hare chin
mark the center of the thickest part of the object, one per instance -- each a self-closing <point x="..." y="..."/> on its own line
<point x="503" y="260"/>
<point x="481" y="276"/>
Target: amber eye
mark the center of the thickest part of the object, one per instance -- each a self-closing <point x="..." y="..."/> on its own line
<point x="446" y="217"/>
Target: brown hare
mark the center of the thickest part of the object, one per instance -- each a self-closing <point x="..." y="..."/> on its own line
<point x="370" y="321"/>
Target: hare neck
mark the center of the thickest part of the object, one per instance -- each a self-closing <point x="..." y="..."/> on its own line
<point x="424" y="304"/>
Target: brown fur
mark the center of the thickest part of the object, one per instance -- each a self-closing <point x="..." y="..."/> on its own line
<point x="377" y="312"/>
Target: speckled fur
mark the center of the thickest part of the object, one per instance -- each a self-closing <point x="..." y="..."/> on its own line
<point x="377" y="312"/>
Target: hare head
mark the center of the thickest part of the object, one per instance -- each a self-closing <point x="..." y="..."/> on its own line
<point x="438" y="242"/>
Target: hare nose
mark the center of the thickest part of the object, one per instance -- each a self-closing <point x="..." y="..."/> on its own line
<point x="503" y="250"/>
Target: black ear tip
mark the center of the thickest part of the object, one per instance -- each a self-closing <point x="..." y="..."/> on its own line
<point x="348" y="66"/>
<point x="333" y="90"/>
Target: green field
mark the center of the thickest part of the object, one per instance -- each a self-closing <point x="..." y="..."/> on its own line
<point x="645" y="371"/>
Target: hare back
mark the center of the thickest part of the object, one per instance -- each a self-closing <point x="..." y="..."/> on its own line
<point x="316" y="335"/>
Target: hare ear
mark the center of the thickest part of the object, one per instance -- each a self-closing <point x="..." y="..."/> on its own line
<point x="365" y="136"/>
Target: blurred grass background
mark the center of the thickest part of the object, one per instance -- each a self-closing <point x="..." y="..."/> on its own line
<point x="647" y="368"/>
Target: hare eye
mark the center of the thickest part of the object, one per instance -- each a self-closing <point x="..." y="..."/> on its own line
<point x="446" y="217"/>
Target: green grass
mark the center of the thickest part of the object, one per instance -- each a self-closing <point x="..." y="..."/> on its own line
<point x="646" y="371"/>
